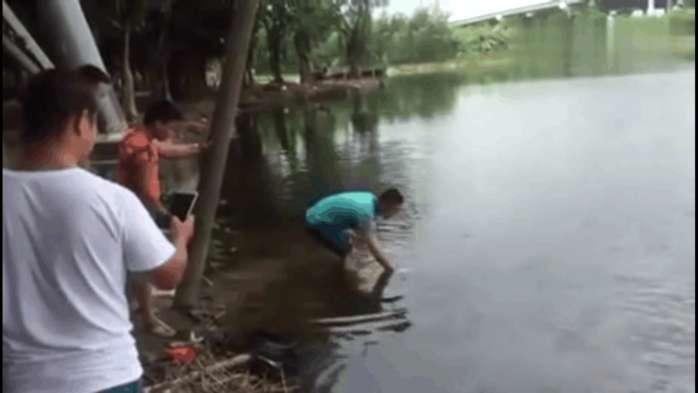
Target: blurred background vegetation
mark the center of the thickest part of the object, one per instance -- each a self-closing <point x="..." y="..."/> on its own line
<point x="172" y="48"/>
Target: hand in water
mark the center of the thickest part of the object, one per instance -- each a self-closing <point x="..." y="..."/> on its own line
<point x="387" y="266"/>
<point x="402" y="273"/>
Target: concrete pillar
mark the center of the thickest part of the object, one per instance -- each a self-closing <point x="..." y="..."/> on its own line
<point x="71" y="44"/>
<point x="28" y="41"/>
<point x="610" y="41"/>
<point x="650" y="7"/>
<point x="20" y="57"/>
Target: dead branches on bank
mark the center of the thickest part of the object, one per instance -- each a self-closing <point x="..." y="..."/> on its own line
<point x="209" y="374"/>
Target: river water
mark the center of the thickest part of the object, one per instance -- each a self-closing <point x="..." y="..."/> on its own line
<point x="547" y="244"/>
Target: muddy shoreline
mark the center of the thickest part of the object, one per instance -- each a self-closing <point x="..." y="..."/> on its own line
<point x="268" y="96"/>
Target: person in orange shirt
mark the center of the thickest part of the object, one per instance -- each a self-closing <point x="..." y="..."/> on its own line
<point x="138" y="169"/>
<point x="141" y="148"/>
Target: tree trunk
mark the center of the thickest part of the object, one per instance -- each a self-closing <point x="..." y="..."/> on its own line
<point x="249" y="81"/>
<point x="163" y="54"/>
<point x="356" y="40"/>
<point x="222" y="131"/>
<point x="274" y="45"/>
<point x="165" y="91"/>
<point x="159" y="74"/>
<point x="302" y="44"/>
<point x="353" y="56"/>
<point x="128" y="94"/>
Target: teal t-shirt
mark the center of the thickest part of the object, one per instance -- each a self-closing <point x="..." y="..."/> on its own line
<point x="344" y="210"/>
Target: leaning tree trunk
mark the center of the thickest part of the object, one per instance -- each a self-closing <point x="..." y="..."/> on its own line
<point x="128" y="94"/>
<point x="222" y="130"/>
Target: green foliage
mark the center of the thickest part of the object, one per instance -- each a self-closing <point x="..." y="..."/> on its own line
<point x="482" y="38"/>
<point x="311" y="21"/>
<point x="425" y="37"/>
<point x="303" y="36"/>
<point x="314" y="18"/>
<point x="329" y="52"/>
<point x="388" y="39"/>
<point x="683" y="22"/>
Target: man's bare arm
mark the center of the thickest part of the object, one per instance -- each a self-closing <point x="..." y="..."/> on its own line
<point x="195" y="126"/>
<point x="370" y="240"/>
<point x="143" y="176"/>
<point x="176" y="150"/>
<point x="199" y="126"/>
<point x="169" y="275"/>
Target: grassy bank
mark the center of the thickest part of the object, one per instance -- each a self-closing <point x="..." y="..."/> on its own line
<point x="471" y="63"/>
<point x="587" y="44"/>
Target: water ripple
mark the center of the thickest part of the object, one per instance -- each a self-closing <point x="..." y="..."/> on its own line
<point x="662" y="316"/>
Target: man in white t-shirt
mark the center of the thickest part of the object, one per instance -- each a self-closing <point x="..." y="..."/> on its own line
<point x="69" y="241"/>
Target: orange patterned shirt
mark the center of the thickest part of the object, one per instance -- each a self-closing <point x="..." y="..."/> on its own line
<point x="139" y="158"/>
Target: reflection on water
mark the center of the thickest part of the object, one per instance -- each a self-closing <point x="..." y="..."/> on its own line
<point x="547" y="245"/>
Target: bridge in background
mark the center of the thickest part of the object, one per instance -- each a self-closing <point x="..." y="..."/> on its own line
<point x="545" y="5"/>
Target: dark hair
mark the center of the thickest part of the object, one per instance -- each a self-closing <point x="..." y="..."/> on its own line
<point x="392" y="196"/>
<point x="163" y="111"/>
<point x="51" y="97"/>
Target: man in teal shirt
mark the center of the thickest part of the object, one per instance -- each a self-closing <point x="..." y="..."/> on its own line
<point x="338" y="219"/>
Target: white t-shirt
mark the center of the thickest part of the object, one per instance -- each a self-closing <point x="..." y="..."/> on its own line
<point x="68" y="240"/>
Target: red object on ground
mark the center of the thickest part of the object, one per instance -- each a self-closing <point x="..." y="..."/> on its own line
<point x="181" y="355"/>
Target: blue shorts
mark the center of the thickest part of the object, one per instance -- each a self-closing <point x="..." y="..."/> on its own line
<point x="332" y="237"/>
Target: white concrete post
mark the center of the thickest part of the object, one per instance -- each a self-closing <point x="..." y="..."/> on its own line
<point x="9" y="16"/>
<point x="610" y="40"/>
<point x="20" y="57"/>
<point x="71" y="44"/>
